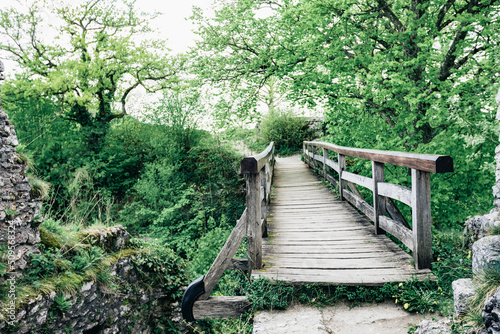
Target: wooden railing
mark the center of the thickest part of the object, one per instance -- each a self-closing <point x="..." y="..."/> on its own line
<point x="384" y="213"/>
<point x="258" y="171"/>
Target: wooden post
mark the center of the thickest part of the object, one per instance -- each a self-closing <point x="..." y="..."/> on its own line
<point x="341" y="160"/>
<point x="254" y="229"/>
<point x="378" y="201"/>
<point x="263" y="200"/>
<point x="421" y="218"/>
<point x="325" y="156"/>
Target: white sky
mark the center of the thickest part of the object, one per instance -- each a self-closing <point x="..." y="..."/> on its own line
<point x="174" y="25"/>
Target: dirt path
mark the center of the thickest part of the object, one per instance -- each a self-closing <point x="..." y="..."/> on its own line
<point x="384" y="318"/>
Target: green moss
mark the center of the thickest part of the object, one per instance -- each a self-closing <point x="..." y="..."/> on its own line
<point x="49" y="239"/>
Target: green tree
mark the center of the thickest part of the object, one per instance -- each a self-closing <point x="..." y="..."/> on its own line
<point x="400" y="75"/>
<point x="89" y="60"/>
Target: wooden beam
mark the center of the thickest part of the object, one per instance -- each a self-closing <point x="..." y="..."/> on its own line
<point x="395" y="214"/>
<point x="398" y="230"/>
<point x="432" y="163"/>
<point x="253" y="164"/>
<point x="221" y="307"/>
<point x="395" y="191"/>
<point x="254" y="229"/>
<point x="225" y="255"/>
<point x="421" y="218"/>
<point x="378" y="201"/>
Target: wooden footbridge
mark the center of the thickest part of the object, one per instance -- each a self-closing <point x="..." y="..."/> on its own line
<point x="303" y="233"/>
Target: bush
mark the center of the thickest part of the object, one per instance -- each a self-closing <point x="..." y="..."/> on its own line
<point x="286" y="130"/>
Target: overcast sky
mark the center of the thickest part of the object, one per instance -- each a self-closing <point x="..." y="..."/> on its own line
<point x="173" y="24"/>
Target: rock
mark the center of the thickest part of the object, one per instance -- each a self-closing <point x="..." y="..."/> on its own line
<point x="463" y="290"/>
<point x="434" y="327"/>
<point x="110" y="239"/>
<point x="478" y="227"/>
<point x="485" y="254"/>
<point x="491" y="313"/>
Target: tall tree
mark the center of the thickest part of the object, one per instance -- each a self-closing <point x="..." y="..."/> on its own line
<point x="412" y="65"/>
<point x="409" y="75"/>
<point x="92" y="56"/>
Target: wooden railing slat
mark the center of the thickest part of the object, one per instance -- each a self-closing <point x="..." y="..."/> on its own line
<point x="394" y="212"/>
<point x="398" y="230"/>
<point x="225" y="255"/>
<point x="360" y="204"/>
<point x="395" y="191"/>
<point x="332" y="164"/>
<point x="432" y="163"/>
<point x="363" y="181"/>
<point x="418" y="197"/>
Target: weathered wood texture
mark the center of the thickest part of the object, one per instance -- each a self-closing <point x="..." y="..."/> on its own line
<point x="418" y="197"/>
<point x="225" y="257"/>
<point x="221" y="307"/>
<point x="314" y="237"/>
<point x="425" y="162"/>
<point x="258" y="171"/>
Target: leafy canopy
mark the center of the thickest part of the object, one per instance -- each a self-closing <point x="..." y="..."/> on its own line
<point x="397" y="75"/>
<point x="89" y="61"/>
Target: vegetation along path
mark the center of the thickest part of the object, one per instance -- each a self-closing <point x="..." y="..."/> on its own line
<point x="315" y="237"/>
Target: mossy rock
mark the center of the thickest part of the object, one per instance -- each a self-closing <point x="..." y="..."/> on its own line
<point x="49" y="239"/>
<point x="110" y="239"/>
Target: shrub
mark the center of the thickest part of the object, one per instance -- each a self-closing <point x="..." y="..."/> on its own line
<point x="286" y="131"/>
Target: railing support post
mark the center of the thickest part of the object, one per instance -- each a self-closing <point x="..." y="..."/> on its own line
<point x="378" y="201"/>
<point x="254" y="228"/>
<point x="325" y="156"/>
<point x="263" y="199"/>
<point x="341" y="161"/>
<point x="421" y="218"/>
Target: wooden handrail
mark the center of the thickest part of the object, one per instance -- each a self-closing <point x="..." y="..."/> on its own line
<point x="253" y="164"/>
<point x="258" y="171"/>
<point x="384" y="213"/>
<point x="432" y="163"/>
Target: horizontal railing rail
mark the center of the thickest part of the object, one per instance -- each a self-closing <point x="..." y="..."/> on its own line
<point x="384" y="213"/>
<point x="258" y="171"/>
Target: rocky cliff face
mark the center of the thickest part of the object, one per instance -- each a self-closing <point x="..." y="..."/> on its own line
<point x="19" y="218"/>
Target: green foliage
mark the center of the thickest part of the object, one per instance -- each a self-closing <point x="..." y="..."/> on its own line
<point x="105" y="63"/>
<point x="159" y="267"/>
<point x="427" y="90"/>
<point x="206" y="250"/>
<point x="264" y="294"/>
<point x="61" y="304"/>
<point x="286" y="131"/>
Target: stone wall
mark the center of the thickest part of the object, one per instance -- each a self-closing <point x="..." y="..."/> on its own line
<point x="130" y="308"/>
<point x="19" y="218"/>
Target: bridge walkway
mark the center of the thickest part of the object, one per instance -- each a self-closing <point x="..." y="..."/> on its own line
<point x="313" y="237"/>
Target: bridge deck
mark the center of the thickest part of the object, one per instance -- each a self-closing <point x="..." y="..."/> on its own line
<point x="315" y="237"/>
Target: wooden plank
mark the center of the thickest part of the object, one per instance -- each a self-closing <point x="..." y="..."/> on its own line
<point x="361" y="180"/>
<point x="225" y="255"/>
<point x="254" y="229"/>
<point x="394" y="212"/>
<point x="425" y="162"/>
<point x="378" y="200"/>
<point x="398" y="230"/>
<point x="326" y="264"/>
<point x="421" y="218"/>
<point x="400" y="193"/>
<point x="369" y="277"/>
<point x="334" y="256"/>
<point x="332" y="180"/>
<point x="332" y="164"/>
<point x="359" y="203"/>
<point x="221" y="307"/>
